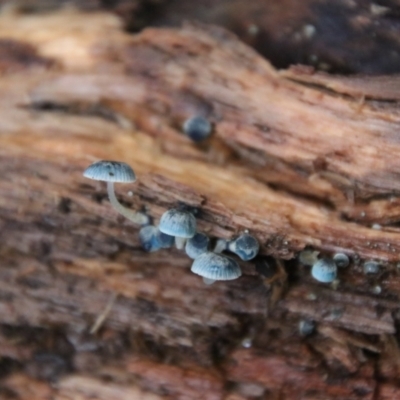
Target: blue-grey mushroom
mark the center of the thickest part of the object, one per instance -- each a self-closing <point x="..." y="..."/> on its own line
<point x="306" y="327"/>
<point x="197" y="128"/>
<point x="245" y="246"/>
<point x="308" y="257"/>
<point x="115" y="171"/>
<point x="148" y="236"/>
<point x="341" y="260"/>
<point x="371" y="267"/>
<point x="152" y="239"/>
<point x="197" y="245"/>
<point x="324" y="270"/>
<point x="178" y="223"/>
<point x="216" y="267"/>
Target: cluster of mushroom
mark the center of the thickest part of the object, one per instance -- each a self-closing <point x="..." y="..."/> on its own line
<point x="177" y="225"/>
<point x="324" y="269"/>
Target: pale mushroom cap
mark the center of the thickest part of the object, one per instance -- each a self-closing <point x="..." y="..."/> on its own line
<point x="216" y="266"/>
<point x="245" y="246"/>
<point x="197" y="245"/>
<point x="197" y="128"/>
<point x="341" y="260"/>
<point x="324" y="270"/>
<point x="110" y="171"/>
<point x="148" y="236"/>
<point x="178" y="223"/>
<point x="371" y="267"/>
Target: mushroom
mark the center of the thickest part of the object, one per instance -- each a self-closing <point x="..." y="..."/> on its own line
<point x="215" y="267"/>
<point x="148" y="236"/>
<point x="324" y="270"/>
<point x="197" y="245"/>
<point x="152" y="239"/>
<point x="115" y="171"/>
<point x="341" y="260"/>
<point x="197" y="128"/>
<point x="306" y="327"/>
<point x="178" y="223"/>
<point x="245" y="246"/>
<point x="371" y="267"/>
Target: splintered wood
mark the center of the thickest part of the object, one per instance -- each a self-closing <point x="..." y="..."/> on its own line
<point x="299" y="159"/>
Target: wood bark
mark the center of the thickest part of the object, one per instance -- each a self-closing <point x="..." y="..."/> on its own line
<point x="300" y="159"/>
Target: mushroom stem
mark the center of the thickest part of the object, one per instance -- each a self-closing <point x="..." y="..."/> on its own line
<point x="180" y="242"/>
<point x="220" y="246"/>
<point x="208" y="281"/>
<point x="135" y="217"/>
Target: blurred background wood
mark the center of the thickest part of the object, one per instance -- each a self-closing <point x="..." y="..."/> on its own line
<point x="301" y="158"/>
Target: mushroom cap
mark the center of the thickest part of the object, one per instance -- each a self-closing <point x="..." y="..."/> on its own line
<point x="178" y="223"/>
<point x="197" y="128"/>
<point x="216" y="266"/>
<point x="324" y="270"/>
<point x="152" y="239"/>
<point x="371" y="267"/>
<point x="148" y="236"/>
<point x="306" y="327"/>
<point x="341" y="260"/>
<point x="110" y="171"/>
<point x="245" y="246"/>
<point x="197" y="245"/>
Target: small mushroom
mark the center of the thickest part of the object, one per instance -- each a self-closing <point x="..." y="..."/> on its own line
<point x="216" y="267"/>
<point x="152" y="239"/>
<point x="371" y="267"/>
<point x="324" y="270"/>
<point x="148" y="236"/>
<point x="178" y="223"/>
<point x="245" y="246"/>
<point x="197" y="245"/>
<point x="115" y="171"/>
<point x="197" y="128"/>
<point x="341" y="260"/>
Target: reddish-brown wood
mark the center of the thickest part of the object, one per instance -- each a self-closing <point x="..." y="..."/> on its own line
<point x="299" y="159"/>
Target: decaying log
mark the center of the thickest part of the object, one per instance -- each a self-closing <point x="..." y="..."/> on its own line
<point x="297" y="158"/>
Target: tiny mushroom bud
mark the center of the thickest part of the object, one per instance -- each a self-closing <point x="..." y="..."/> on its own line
<point x="178" y="223"/>
<point x="371" y="267"/>
<point x="245" y="246"/>
<point x="306" y="327"/>
<point x="115" y="171"/>
<point x="197" y="128"/>
<point x="324" y="270"/>
<point x="216" y="267"/>
<point x="197" y="245"/>
<point x="152" y="239"/>
<point x="341" y="260"/>
<point x="148" y="236"/>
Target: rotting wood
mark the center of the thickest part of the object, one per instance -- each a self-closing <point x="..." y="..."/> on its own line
<point x="65" y="251"/>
